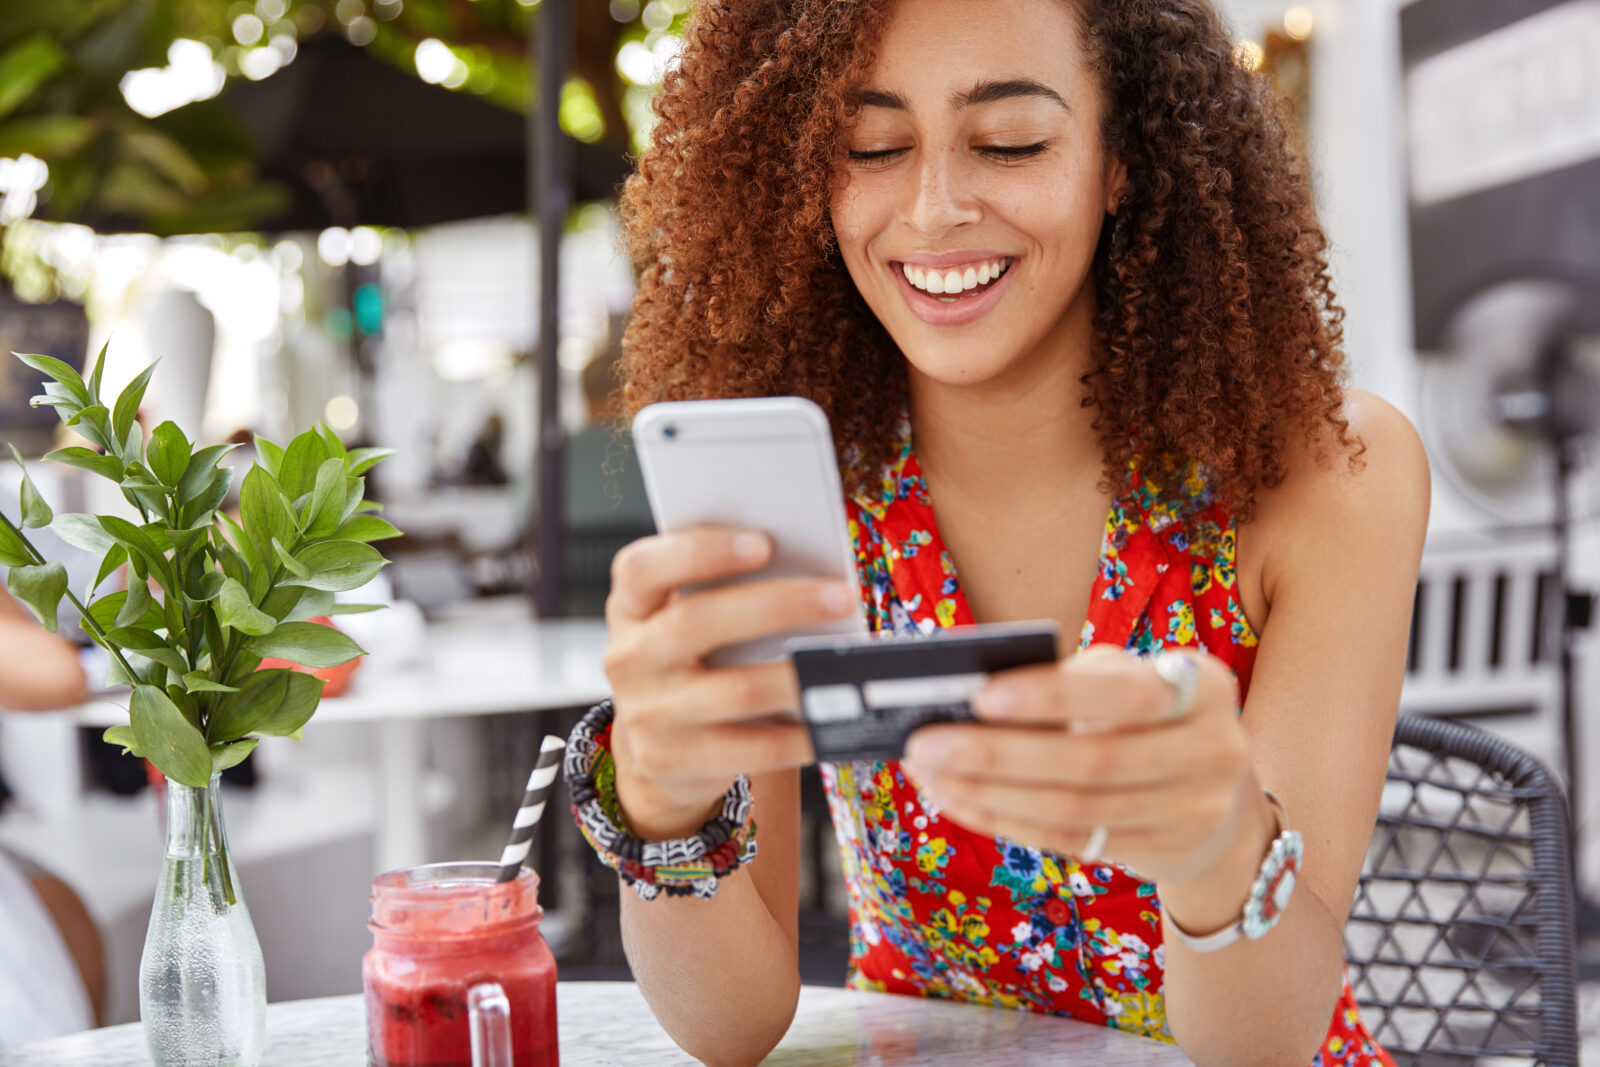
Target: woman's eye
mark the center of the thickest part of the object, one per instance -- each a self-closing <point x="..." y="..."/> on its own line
<point x="1018" y="151"/>
<point x="875" y="155"/>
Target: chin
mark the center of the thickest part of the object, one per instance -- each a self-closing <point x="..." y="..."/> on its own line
<point x="958" y="365"/>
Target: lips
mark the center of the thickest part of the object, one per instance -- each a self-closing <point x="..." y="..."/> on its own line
<point x="967" y="304"/>
<point x="955" y="280"/>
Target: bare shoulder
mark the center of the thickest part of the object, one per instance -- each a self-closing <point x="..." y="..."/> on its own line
<point x="1327" y="506"/>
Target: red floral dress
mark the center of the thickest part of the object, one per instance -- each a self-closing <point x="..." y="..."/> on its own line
<point x="937" y="910"/>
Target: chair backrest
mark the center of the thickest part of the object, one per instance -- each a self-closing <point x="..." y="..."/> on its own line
<point x="1461" y="941"/>
<point x="1483" y="629"/>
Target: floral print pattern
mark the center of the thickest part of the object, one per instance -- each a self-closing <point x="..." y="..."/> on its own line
<point x="937" y="910"/>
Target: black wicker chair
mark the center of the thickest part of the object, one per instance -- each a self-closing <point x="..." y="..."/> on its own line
<point x="1461" y="942"/>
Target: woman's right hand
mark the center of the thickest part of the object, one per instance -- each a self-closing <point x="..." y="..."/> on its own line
<point x="679" y="737"/>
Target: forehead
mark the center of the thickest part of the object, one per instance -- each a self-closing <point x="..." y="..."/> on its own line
<point x="939" y="43"/>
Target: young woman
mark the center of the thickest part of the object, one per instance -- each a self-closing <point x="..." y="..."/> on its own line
<point x="1052" y="268"/>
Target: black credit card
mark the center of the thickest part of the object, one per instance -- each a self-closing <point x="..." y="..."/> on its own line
<point x="863" y="695"/>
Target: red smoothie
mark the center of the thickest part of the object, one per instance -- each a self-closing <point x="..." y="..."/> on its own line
<point x="438" y="932"/>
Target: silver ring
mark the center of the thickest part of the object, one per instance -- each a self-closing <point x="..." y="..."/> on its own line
<point x="1096" y="845"/>
<point x="1180" y="672"/>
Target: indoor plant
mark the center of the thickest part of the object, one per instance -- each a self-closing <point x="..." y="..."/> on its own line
<point x="207" y="598"/>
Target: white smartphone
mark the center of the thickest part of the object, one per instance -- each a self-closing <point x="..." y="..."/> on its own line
<point x="764" y="464"/>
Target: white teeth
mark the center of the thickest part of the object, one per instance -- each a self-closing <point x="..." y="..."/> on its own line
<point x="955" y="281"/>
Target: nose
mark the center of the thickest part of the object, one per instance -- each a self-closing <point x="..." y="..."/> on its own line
<point x="941" y="200"/>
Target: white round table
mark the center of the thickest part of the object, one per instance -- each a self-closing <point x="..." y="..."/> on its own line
<point x="604" y="1024"/>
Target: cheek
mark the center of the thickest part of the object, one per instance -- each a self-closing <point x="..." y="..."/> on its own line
<point x="849" y="223"/>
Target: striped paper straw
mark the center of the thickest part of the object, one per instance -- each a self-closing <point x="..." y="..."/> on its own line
<point x="540" y="783"/>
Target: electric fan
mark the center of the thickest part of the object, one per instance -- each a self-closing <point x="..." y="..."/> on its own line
<point x="1510" y="411"/>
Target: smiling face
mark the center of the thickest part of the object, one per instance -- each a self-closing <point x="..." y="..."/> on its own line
<point x="973" y="187"/>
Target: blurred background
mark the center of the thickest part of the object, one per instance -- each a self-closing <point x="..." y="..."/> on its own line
<point x="397" y="217"/>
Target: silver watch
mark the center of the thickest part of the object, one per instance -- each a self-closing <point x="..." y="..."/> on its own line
<point x="1269" y="893"/>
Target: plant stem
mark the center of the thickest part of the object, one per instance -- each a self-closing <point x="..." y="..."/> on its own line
<point x="83" y="612"/>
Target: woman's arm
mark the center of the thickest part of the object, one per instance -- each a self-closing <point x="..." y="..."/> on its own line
<point x="723" y="975"/>
<point x="39" y="671"/>
<point x="1341" y="557"/>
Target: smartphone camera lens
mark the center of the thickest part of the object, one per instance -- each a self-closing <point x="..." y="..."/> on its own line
<point x="669" y="431"/>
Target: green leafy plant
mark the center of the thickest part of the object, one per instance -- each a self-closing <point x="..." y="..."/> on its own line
<point x="207" y="597"/>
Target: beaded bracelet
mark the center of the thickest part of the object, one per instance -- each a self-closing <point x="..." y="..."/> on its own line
<point x="690" y="865"/>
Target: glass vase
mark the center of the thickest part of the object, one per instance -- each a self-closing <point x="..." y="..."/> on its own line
<point x="202" y="984"/>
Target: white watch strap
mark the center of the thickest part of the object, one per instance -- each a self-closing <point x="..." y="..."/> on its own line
<point x="1234" y="931"/>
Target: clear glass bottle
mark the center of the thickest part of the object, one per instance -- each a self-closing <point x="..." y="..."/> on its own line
<point x="202" y="984"/>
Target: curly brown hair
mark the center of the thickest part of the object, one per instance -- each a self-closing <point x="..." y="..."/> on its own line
<point x="1216" y="328"/>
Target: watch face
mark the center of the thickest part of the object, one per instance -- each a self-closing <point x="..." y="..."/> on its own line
<point x="1275" y="884"/>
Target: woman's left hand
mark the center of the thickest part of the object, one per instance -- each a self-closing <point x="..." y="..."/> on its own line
<point x="1094" y="741"/>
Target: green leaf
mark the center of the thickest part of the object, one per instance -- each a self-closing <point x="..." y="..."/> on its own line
<point x="265" y="512"/>
<point x="58" y="370"/>
<point x="115" y="557"/>
<point x="40" y="587"/>
<point x="236" y="610"/>
<point x="199" y="511"/>
<point x="13" y="552"/>
<point x="300" y="698"/>
<point x="168" y="739"/>
<point x="138" y="542"/>
<point x="104" y="612"/>
<point x="269" y="455"/>
<point x="122" y="735"/>
<point x="298" y="472"/>
<point x="26" y="66"/>
<point x="122" y="420"/>
<point x="229" y="753"/>
<point x="209" y="585"/>
<point x="239" y="713"/>
<point x="201" y="472"/>
<point x="355" y="489"/>
<point x="82" y="532"/>
<point x="90" y="460"/>
<point x="310" y="643"/>
<point x="139" y="601"/>
<point x="366" y="528"/>
<point x="98" y="372"/>
<point x="91" y="423"/>
<point x="292" y="565"/>
<point x="354" y="609"/>
<point x="150" y="646"/>
<point x="336" y="447"/>
<point x="327" y="499"/>
<point x="361" y="460"/>
<point x="241" y="545"/>
<point x="56" y="402"/>
<point x="196" y="682"/>
<point x="35" y="512"/>
<point x="338" y="566"/>
<point x="309" y="605"/>
<point x="168" y="453"/>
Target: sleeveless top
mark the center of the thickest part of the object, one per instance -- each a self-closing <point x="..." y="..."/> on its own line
<point x="937" y="910"/>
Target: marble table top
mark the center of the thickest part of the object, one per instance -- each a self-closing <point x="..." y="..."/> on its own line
<point x="608" y="1024"/>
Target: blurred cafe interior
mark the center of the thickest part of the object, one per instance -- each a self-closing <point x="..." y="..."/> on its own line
<point x="397" y="219"/>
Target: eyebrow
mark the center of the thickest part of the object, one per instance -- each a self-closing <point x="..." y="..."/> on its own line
<point x="985" y="92"/>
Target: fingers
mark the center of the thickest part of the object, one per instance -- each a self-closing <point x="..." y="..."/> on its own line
<point x="1063" y="811"/>
<point x="645" y="573"/>
<point x="680" y="758"/>
<point x="1050" y="756"/>
<point x="692" y="626"/>
<point x="1100" y="688"/>
<point x="731" y="694"/>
